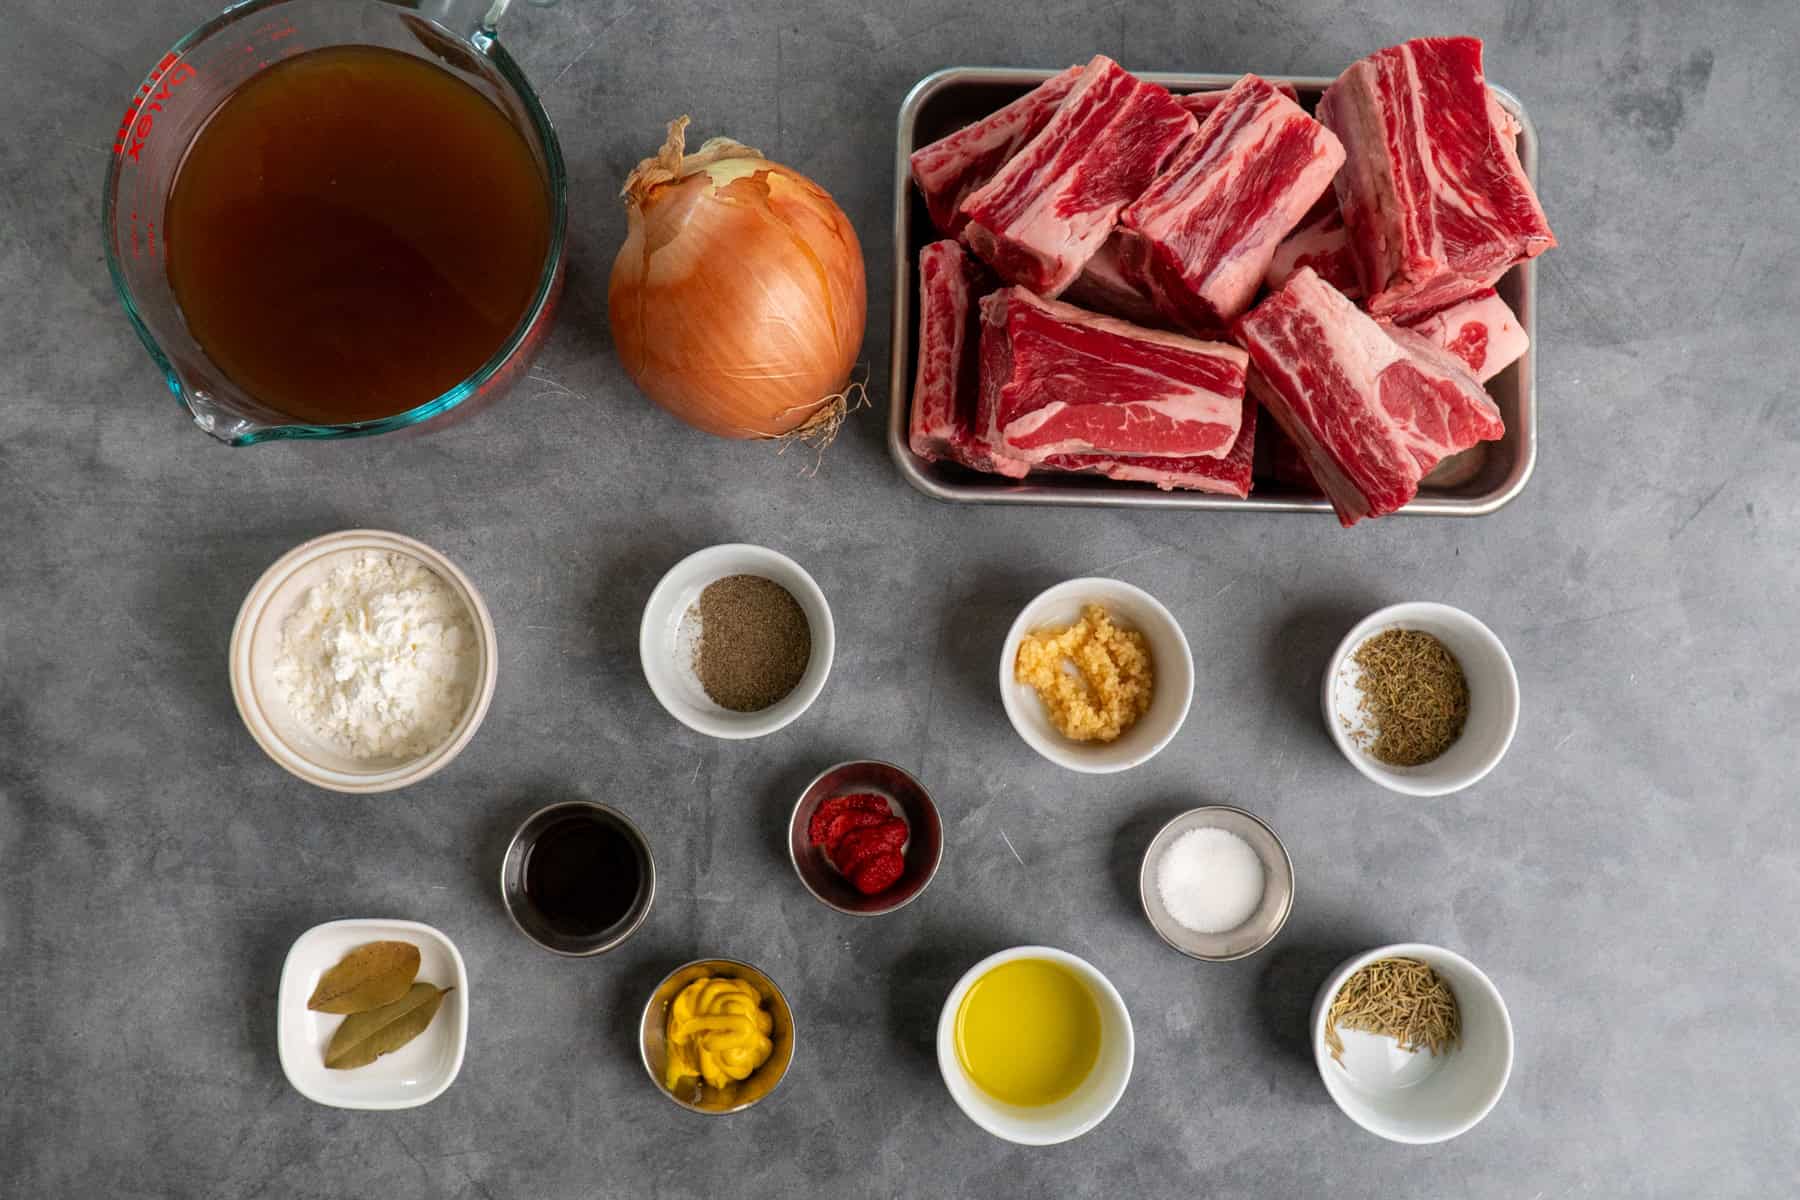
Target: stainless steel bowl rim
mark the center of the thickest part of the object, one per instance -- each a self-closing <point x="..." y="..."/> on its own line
<point x="793" y="1036"/>
<point x="794" y="817"/>
<point x="1144" y="882"/>
<point x="631" y="826"/>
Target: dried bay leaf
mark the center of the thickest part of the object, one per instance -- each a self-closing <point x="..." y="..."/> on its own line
<point x="368" y="977"/>
<point x="366" y="1036"/>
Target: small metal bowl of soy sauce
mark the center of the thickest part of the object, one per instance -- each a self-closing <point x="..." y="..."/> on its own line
<point x="578" y="878"/>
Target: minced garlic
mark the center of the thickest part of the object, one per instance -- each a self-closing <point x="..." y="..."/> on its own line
<point x="1112" y="682"/>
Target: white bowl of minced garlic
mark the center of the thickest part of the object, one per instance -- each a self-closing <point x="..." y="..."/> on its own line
<point x="1096" y="675"/>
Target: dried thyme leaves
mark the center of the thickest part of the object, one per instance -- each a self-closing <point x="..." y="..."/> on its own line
<point x="1414" y="695"/>
<point x="1401" y="998"/>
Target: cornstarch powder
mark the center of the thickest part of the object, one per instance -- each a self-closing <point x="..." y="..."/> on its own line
<point x="378" y="661"/>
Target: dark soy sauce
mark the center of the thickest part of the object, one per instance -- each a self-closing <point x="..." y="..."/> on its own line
<point x="582" y="876"/>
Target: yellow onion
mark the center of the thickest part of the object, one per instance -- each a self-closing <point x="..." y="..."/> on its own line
<point x="737" y="301"/>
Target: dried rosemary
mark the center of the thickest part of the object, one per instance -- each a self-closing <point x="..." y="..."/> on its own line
<point x="1414" y="695"/>
<point x="1401" y="998"/>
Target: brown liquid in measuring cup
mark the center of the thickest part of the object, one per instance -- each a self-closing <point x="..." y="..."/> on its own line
<point x="354" y="232"/>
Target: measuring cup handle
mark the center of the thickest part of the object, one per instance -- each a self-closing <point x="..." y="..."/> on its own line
<point x="473" y="19"/>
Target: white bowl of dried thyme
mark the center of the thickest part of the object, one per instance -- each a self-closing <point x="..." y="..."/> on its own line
<point x="1413" y="1042"/>
<point x="1421" y="698"/>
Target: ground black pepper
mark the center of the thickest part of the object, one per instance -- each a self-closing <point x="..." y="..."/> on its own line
<point x="754" y="642"/>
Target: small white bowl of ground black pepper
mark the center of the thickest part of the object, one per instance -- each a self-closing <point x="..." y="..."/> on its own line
<point x="1421" y="698"/>
<point x="736" y="641"/>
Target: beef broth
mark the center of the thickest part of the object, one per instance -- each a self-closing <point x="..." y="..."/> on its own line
<point x="355" y="231"/>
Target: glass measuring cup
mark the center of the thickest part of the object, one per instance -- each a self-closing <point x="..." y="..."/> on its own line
<point x="189" y="84"/>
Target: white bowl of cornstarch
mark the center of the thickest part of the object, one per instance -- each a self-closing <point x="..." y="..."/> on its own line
<point x="363" y="661"/>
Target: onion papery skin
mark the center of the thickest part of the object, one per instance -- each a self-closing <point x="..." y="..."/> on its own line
<point x="738" y="300"/>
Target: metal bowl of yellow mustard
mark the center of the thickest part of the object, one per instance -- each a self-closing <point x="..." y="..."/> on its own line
<point x="717" y="1036"/>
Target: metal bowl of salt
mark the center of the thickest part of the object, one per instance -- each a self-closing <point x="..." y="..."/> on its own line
<point x="1264" y="921"/>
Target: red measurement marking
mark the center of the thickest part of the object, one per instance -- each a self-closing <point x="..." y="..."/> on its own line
<point x="140" y="114"/>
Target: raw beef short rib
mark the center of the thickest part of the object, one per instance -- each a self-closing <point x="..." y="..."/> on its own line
<point x="952" y="167"/>
<point x="1200" y="238"/>
<point x="944" y="387"/>
<point x="1201" y="104"/>
<point x="1371" y="407"/>
<point x="1322" y="244"/>
<point x="1227" y="476"/>
<point x="1433" y="196"/>
<point x="1046" y="212"/>
<point x="1481" y="331"/>
<point x="1102" y="287"/>
<point x="1058" y="380"/>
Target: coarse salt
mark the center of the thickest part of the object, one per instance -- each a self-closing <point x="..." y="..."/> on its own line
<point x="378" y="660"/>
<point x="1210" y="880"/>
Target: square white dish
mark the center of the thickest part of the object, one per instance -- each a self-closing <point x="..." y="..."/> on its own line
<point x="415" y="1074"/>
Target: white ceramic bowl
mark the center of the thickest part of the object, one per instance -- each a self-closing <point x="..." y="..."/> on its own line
<point x="415" y="1074"/>
<point x="1171" y="662"/>
<point x="667" y="637"/>
<point x="1493" y="699"/>
<point x="1419" y="1098"/>
<point x="1076" y="1113"/>
<point x="256" y="642"/>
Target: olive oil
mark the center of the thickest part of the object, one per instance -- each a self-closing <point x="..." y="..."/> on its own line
<point x="1028" y="1032"/>
<point x="355" y="231"/>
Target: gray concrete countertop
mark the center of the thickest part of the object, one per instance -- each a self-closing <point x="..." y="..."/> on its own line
<point x="1628" y="876"/>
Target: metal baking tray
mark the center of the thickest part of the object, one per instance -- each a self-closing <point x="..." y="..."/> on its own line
<point x="1472" y="484"/>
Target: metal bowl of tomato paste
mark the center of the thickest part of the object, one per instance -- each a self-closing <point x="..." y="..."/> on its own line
<point x="837" y="851"/>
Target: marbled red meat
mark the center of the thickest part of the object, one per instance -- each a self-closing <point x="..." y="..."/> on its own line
<point x="1322" y="244"/>
<point x="1435" y="202"/>
<point x="1056" y="380"/>
<point x="1482" y="331"/>
<point x="1200" y="238"/>
<point x="1201" y="104"/>
<point x="1046" y="212"/>
<point x="1227" y="476"/>
<point x="1371" y="407"/>
<point x="1102" y="287"/>
<point x="944" y="384"/>
<point x="952" y="167"/>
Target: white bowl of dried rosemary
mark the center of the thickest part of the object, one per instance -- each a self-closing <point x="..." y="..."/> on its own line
<point x="1421" y="698"/>
<point x="1413" y="1042"/>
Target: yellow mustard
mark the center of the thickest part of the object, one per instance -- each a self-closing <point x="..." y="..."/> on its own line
<point x="717" y="1031"/>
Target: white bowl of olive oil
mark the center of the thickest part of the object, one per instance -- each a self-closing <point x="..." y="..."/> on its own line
<point x="1035" y="1045"/>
